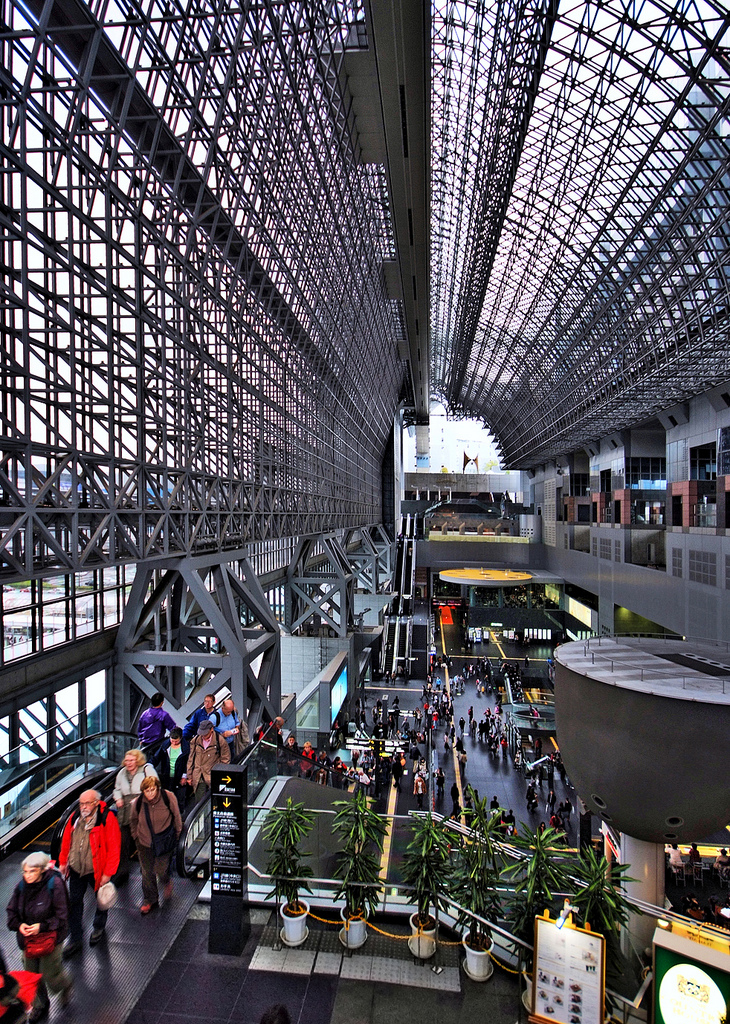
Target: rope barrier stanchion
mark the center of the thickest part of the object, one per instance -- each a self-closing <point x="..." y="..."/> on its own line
<point x="504" y="966"/>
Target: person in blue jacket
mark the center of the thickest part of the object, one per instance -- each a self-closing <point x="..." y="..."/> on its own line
<point x="203" y="713"/>
<point x="154" y="723"/>
<point x="227" y="723"/>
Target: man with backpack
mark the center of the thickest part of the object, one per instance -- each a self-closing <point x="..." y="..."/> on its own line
<point x="199" y="716"/>
<point x="206" y="750"/>
<point x="89" y="857"/>
<point x="227" y="723"/>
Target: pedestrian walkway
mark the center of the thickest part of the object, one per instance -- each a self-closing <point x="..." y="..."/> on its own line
<point x="319" y="983"/>
<point x="490" y="776"/>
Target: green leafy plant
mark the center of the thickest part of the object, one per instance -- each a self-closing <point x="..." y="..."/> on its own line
<point x="362" y="831"/>
<point x="537" y="880"/>
<point x="478" y="872"/>
<point x="601" y="902"/>
<point x="427" y="866"/>
<point x="284" y="829"/>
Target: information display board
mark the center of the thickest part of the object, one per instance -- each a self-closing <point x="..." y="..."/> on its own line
<point x="229" y="917"/>
<point x="568" y="984"/>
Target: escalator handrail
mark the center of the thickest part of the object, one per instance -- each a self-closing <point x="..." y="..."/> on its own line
<point x="204" y="802"/>
<point x="41" y="763"/>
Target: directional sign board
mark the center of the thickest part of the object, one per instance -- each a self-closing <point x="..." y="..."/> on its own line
<point x="229" y="918"/>
<point x="228" y="854"/>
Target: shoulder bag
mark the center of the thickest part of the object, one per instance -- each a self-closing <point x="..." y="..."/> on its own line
<point x="162" y="842"/>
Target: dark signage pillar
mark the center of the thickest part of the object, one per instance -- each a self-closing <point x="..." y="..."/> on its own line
<point x="230" y="923"/>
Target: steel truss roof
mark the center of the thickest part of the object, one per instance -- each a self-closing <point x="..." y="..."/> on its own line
<point x="199" y="350"/>
<point x="580" y="197"/>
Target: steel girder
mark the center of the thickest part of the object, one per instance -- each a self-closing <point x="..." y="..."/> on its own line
<point x="199" y="351"/>
<point x="598" y="293"/>
<point x="370" y="554"/>
<point x="320" y="583"/>
<point x="194" y="626"/>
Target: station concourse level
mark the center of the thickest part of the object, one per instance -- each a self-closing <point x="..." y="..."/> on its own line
<point x="253" y="258"/>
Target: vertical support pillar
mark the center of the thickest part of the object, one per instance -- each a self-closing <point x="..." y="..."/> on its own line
<point x="647" y="866"/>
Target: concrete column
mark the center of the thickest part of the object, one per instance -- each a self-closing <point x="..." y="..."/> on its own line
<point x="647" y="866"/>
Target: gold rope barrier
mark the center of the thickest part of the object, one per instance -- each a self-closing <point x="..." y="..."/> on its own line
<point x="404" y="938"/>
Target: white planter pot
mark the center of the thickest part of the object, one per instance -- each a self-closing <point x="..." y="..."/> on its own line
<point x="478" y="964"/>
<point x="422" y="942"/>
<point x="527" y="996"/>
<point x="295" y="930"/>
<point x="354" y="932"/>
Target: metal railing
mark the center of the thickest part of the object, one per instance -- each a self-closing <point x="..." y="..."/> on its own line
<point x="43" y="782"/>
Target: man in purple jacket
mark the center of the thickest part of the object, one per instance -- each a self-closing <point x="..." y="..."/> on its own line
<point x="154" y="723"/>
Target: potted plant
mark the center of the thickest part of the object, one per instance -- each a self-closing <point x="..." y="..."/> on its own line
<point x="362" y="831"/>
<point x="537" y="879"/>
<point x="475" y="887"/>
<point x="284" y="829"/>
<point x="601" y="902"/>
<point x="427" y="872"/>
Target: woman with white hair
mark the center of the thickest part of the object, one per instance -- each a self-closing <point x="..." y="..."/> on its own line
<point x="38" y="912"/>
<point x="127" y="787"/>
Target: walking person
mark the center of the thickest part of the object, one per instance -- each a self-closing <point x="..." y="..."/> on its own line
<point x="455" y="806"/>
<point x="154" y="723"/>
<point x="203" y="712"/>
<point x="206" y="750"/>
<point x="89" y="858"/>
<point x="156" y="827"/>
<point x="399" y="763"/>
<point x="419" y="789"/>
<point x="228" y="723"/>
<point x="135" y="768"/>
<point x="38" y="912"/>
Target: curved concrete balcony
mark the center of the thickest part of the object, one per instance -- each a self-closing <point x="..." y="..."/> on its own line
<point x="643" y="727"/>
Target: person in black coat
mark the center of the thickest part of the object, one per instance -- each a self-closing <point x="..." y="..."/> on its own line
<point x="174" y="751"/>
<point x="38" y="910"/>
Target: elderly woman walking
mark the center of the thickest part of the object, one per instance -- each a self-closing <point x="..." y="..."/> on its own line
<point x="135" y="768"/>
<point x="156" y="827"/>
<point x="38" y="912"/>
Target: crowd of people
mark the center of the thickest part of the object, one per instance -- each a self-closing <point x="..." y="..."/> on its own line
<point x="143" y="817"/>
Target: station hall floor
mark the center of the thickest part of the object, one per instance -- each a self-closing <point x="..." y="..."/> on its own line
<point x="380" y="984"/>
<point x="157" y="970"/>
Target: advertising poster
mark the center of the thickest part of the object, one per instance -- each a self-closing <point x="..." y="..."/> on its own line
<point x="569" y="974"/>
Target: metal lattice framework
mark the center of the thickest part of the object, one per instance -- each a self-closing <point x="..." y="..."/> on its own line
<point x="199" y="625"/>
<point x="193" y="295"/>
<point x="581" y="190"/>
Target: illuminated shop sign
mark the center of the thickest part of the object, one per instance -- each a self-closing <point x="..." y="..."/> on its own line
<point x="691" y="983"/>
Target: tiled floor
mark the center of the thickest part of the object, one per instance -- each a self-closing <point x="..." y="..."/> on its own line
<point x="318" y="985"/>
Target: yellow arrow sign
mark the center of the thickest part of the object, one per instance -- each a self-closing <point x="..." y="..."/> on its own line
<point x="226" y="802"/>
<point x="227" y="779"/>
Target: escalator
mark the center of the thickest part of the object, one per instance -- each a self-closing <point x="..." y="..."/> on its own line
<point x="35" y="794"/>
<point x="268" y="769"/>
<point x="402" y="651"/>
<point x="388" y="647"/>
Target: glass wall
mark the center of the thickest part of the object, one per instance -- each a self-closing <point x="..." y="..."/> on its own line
<point x="36" y="615"/>
<point x="75" y="709"/>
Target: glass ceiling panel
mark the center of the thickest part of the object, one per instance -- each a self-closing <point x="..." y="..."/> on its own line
<point x="579" y="206"/>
